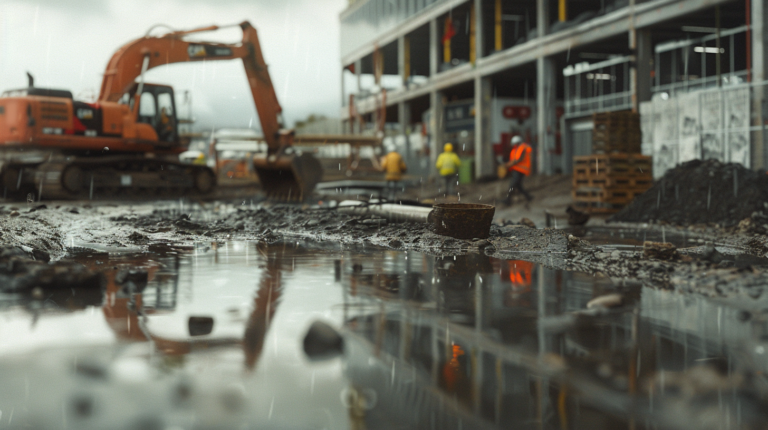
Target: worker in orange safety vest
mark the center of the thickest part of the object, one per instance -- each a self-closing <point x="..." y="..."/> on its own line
<point x="520" y="165"/>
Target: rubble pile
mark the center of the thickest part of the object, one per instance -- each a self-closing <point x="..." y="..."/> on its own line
<point x="701" y="192"/>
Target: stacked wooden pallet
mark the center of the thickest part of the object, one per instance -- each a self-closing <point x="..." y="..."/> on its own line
<point x="605" y="183"/>
<point x="615" y="132"/>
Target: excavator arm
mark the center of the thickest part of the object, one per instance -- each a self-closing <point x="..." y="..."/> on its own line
<point x="140" y="55"/>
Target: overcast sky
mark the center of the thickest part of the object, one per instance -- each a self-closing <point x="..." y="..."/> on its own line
<point x="66" y="44"/>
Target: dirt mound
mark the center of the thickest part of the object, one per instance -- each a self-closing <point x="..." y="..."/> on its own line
<point x="700" y="192"/>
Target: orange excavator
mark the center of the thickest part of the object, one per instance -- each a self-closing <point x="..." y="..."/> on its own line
<point x="127" y="142"/>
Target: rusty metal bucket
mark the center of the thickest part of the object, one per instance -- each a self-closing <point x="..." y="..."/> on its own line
<point x="289" y="177"/>
<point x="462" y="220"/>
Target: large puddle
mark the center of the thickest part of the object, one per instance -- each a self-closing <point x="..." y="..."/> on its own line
<point x="210" y="336"/>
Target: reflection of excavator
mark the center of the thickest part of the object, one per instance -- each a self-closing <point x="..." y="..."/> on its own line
<point x="126" y="313"/>
<point x="128" y="140"/>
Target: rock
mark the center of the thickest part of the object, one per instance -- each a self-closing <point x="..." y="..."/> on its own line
<point x="659" y="250"/>
<point x="480" y="244"/>
<point x="199" y="326"/>
<point x="711" y="254"/>
<point x="322" y="341"/>
<point x="527" y="222"/>
<point x="606" y="301"/>
<point x="14" y="214"/>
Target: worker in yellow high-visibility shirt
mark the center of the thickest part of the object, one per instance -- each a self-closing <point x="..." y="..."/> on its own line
<point x="394" y="166"/>
<point x="448" y="163"/>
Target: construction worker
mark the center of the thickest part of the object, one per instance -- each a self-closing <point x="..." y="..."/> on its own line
<point x="393" y="164"/>
<point x="448" y="163"/>
<point x="520" y="165"/>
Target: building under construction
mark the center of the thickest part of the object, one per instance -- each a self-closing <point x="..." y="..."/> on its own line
<point x="477" y="72"/>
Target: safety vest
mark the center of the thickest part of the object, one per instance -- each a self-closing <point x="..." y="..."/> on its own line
<point x="521" y="152"/>
<point x="394" y="165"/>
<point x="448" y="163"/>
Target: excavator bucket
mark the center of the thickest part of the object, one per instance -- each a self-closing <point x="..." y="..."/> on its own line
<point x="289" y="177"/>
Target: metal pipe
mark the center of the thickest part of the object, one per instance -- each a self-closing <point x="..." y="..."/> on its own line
<point x="390" y="211"/>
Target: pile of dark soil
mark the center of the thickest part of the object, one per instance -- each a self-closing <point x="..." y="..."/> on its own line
<point x="700" y="192"/>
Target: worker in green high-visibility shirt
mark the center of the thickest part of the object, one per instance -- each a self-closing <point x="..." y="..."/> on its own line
<point x="448" y="163"/>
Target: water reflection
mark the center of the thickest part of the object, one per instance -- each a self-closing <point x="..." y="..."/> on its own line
<point x="430" y="342"/>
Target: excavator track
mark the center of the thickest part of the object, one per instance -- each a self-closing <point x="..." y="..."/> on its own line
<point x="106" y="178"/>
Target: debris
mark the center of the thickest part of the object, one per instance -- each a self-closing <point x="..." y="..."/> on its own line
<point x="527" y="222"/>
<point x="700" y="192"/>
<point x="322" y="341"/>
<point x="576" y="217"/>
<point x="659" y="250"/>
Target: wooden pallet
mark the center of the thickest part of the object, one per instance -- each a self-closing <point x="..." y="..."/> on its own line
<point x="615" y="181"/>
<point x="624" y="145"/>
<point x="606" y="195"/>
<point x="611" y="164"/>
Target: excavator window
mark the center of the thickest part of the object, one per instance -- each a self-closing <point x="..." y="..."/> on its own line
<point x="147" y="108"/>
<point x="156" y="108"/>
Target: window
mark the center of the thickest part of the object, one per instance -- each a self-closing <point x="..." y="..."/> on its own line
<point x="165" y="101"/>
<point x="147" y="105"/>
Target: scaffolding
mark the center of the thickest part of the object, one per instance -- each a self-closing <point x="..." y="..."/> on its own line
<point x="671" y="56"/>
<point x="597" y="87"/>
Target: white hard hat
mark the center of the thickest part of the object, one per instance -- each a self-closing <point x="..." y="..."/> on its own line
<point x="516" y="140"/>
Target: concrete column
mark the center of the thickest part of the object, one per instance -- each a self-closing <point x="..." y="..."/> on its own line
<point x="433" y="47"/>
<point x="404" y="118"/>
<point x="640" y="73"/>
<point x="435" y="130"/>
<point x="759" y="42"/>
<point x="483" y="151"/>
<point x="479" y="53"/>
<point x="401" y="58"/>
<point x="542" y="17"/>
<point x="545" y="112"/>
<point x="358" y="73"/>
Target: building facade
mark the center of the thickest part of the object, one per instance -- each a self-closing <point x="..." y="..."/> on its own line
<point x="477" y="72"/>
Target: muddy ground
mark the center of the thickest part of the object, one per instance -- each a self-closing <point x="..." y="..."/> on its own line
<point x="38" y="242"/>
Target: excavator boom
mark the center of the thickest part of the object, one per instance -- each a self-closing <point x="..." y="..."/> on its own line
<point x="148" y="52"/>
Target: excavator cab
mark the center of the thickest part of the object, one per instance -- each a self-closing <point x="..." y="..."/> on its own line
<point x="157" y="107"/>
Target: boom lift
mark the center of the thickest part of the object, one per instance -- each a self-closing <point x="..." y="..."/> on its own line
<point x="127" y="141"/>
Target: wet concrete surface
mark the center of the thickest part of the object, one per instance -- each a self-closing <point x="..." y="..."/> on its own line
<point x="193" y="314"/>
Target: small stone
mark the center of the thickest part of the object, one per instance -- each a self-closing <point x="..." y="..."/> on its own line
<point x="527" y="222"/>
<point x="615" y="255"/>
<point x="14" y="213"/>
<point x="37" y="293"/>
<point x="482" y="243"/>
<point x="322" y="341"/>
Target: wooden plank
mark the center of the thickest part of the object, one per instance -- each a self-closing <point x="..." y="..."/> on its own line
<point x="613" y="181"/>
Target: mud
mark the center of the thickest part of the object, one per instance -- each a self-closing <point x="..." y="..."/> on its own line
<point x="701" y="192"/>
<point x="272" y="223"/>
<point x="39" y="244"/>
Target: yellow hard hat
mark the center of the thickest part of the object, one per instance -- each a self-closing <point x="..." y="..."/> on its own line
<point x="448" y="147"/>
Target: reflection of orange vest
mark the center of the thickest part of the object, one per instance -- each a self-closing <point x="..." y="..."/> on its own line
<point x="520" y="273"/>
<point x="522" y="152"/>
